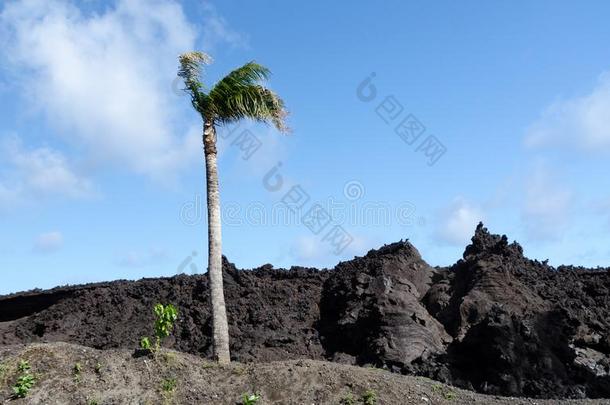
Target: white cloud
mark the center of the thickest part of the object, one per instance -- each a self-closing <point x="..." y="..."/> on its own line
<point x="582" y="122"/>
<point x="217" y="31"/>
<point x="458" y="222"/>
<point x="48" y="242"/>
<point x="37" y="173"/>
<point x="104" y="79"/>
<point x="307" y="249"/>
<point x="312" y="250"/>
<point x="547" y="203"/>
<point x="142" y="259"/>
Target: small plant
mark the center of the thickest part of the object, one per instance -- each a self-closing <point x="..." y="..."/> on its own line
<point x="23" y="366"/>
<point x="93" y="402"/>
<point x="166" y="316"/>
<point x="250" y="399"/>
<point x="170" y="358"/>
<point x="206" y="365"/>
<point x="239" y="370"/>
<point x="76" y="370"/>
<point x="3" y="372"/>
<point x="164" y="324"/>
<point x="24" y="384"/>
<point x="169" y="385"/>
<point x="369" y="397"/>
<point x="450" y="395"/>
<point x="145" y="343"/>
<point x="447" y="393"/>
<point x="98" y="368"/>
<point x="348" y="400"/>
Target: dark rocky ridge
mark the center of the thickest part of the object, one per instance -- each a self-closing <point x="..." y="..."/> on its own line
<point x="495" y="322"/>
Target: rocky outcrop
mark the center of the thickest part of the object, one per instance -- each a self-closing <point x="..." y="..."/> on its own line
<point x="521" y="327"/>
<point x="371" y="309"/>
<point x="495" y="322"/>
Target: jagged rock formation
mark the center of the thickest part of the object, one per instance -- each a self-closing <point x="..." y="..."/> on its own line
<point x="495" y="322"/>
<point x="371" y="309"/>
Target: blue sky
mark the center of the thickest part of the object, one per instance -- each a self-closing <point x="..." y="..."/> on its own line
<point x="101" y="167"/>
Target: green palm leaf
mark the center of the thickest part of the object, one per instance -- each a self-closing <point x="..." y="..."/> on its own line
<point x="238" y="95"/>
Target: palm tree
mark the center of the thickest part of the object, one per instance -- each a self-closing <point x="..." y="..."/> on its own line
<point x="237" y="96"/>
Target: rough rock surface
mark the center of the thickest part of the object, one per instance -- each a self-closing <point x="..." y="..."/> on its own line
<point x="272" y="313"/>
<point x="371" y="309"/>
<point x="495" y="322"/>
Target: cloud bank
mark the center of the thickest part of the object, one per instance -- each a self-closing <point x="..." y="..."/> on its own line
<point x="580" y="122"/>
<point x="104" y="79"/>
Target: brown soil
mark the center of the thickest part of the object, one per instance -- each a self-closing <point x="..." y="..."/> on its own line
<point x="117" y="377"/>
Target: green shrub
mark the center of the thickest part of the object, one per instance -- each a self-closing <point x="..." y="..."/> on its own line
<point x="348" y="400"/>
<point x="369" y="397"/>
<point x="450" y="395"/>
<point x="76" y="370"/>
<point x="145" y="343"/>
<point x="169" y="385"/>
<point x="164" y="324"/>
<point x="250" y="399"/>
<point x="23" y="366"/>
<point x="166" y="316"/>
<point x="24" y="384"/>
<point x="3" y="372"/>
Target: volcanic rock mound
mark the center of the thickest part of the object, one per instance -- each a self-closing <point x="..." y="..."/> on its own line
<point x="371" y="309"/>
<point x="495" y="322"/>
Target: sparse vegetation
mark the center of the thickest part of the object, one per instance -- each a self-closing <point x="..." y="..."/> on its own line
<point x="98" y="368"/>
<point x="369" y="397"/>
<point x="76" y="370"/>
<point x="250" y="399"/>
<point x="145" y="343"/>
<point x="169" y="358"/>
<point x="93" y="402"/>
<point x="206" y="365"/>
<point x="447" y="393"/>
<point x="3" y="372"/>
<point x="23" y="366"/>
<point x="450" y="395"/>
<point x="169" y="385"/>
<point x="166" y="316"/>
<point x="25" y="381"/>
<point x="239" y="370"/>
<point x="349" y="399"/>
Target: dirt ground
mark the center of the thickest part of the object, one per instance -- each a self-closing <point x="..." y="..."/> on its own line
<point x="106" y="377"/>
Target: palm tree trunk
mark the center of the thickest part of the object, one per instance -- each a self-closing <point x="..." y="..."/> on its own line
<point x="219" y="312"/>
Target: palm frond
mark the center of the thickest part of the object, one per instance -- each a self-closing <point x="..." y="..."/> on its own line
<point x="249" y="74"/>
<point x="239" y="95"/>
<point x="191" y="65"/>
